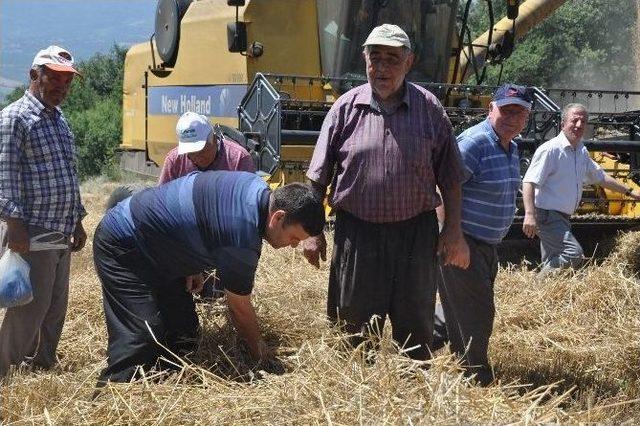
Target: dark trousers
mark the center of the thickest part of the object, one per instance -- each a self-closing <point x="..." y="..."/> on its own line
<point x="467" y="300"/>
<point x="385" y="269"/>
<point x="138" y="302"/>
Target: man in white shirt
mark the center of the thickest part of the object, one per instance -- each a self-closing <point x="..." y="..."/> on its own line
<point x="552" y="189"/>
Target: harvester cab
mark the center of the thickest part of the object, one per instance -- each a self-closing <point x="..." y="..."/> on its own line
<point x="212" y="56"/>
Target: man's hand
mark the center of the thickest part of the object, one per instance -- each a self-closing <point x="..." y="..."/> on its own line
<point x="453" y="248"/>
<point x="79" y="238"/>
<point x="529" y="225"/>
<point x="244" y="318"/>
<point x="261" y="351"/>
<point x="17" y="236"/>
<point x="194" y="283"/>
<point x="314" y="249"/>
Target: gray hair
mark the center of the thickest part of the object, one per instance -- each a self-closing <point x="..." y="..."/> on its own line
<point x="570" y="107"/>
<point x="39" y="69"/>
<point x="405" y="50"/>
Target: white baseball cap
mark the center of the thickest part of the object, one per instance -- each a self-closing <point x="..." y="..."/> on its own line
<point x="55" y="58"/>
<point x="193" y="131"/>
<point x="388" y="35"/>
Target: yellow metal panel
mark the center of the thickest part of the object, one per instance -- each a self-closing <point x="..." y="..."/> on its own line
<point x="299" y="153"/>
<point x="203" y="57"/>
<point x="288" y="29"/>
<point x="133" y="97"/>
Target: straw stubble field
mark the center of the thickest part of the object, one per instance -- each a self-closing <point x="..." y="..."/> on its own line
<point x="565" y="350"/>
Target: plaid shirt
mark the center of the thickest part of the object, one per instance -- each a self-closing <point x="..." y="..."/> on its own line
<point x="387" y="165"/>
<point x="38" y="177"/>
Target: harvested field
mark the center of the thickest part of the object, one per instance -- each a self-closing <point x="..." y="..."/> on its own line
<point x="566" y="349"/>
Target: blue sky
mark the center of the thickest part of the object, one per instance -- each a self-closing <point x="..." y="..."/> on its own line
<point x="84" y="27"/>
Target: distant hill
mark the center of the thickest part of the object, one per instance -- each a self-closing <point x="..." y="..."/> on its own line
<point x="82" y="26"/>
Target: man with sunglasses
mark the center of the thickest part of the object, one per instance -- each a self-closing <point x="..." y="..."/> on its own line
<point x="492" y="166"/>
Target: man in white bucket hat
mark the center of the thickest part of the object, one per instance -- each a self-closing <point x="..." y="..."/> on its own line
<point x="202" y="146"/>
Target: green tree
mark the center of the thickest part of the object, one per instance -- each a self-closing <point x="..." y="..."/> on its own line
<point x="584" y="44"/>
<point x="94" y="110"/>
<point x="13" y="96"/>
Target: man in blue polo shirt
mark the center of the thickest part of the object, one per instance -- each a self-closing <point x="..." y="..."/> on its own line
<point x="150" y="251"/>
<point x="491" y="160"/>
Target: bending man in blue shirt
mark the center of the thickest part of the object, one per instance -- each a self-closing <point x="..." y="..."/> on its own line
<point x="152" y="246"/>
<point x="492" y="164"/>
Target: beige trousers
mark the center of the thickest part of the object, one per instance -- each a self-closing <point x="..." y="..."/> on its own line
<point x="31" y="332"/>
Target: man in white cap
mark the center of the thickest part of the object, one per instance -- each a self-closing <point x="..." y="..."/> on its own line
<point x="390" y="143"/>
<point x="39" y="194"/>
<point x="202" y="146"/>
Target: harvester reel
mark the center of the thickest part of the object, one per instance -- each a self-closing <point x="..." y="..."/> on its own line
<point x="167" y="28"/>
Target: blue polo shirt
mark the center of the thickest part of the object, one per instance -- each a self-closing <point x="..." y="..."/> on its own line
<point x="212" y="219"/>
<point x="493" y="179"/>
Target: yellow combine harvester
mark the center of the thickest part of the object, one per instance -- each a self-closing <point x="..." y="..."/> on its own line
<point x="269" y="70"/>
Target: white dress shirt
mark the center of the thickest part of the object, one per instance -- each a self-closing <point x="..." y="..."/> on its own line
<point x="559" y="171"/>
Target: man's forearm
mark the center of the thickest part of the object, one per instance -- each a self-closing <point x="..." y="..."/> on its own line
<point x="452" y="200"/>
<point x="12" y="221"/>
<point x="246" y="322"/>
<point x="528" y="198"/>
<point x="319" y="190"/>
<point x="614" y="185"/>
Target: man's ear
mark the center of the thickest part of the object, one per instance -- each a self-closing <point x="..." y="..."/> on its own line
<point x="276" y="217"/>
<point x="410" y="60"/>
<point x="33" y="74"/>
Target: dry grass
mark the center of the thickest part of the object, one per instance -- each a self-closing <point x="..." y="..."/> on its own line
<point x="566" y="350"/>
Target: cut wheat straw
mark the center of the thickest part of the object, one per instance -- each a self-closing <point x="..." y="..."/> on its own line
<point x="566" y="350"/>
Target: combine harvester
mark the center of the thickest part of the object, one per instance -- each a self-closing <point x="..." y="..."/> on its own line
<point x="269" y="70"/>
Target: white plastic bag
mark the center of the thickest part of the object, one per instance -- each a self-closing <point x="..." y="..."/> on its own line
<point x="15" y="286"/>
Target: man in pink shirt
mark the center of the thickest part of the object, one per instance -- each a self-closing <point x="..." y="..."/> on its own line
<point x="202" y="146"/>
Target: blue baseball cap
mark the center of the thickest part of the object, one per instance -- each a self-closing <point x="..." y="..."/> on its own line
<point x="512" y="94"/>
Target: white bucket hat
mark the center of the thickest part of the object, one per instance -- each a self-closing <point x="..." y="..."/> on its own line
<point x="388" y="35"/>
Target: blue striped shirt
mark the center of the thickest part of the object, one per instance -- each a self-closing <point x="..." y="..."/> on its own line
<point x="493" y="180"/>
<point x="213" y="219"/>
<point x="38" y="177"/>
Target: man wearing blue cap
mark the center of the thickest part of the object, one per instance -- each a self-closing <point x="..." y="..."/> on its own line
<point x="492" y="166"/>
